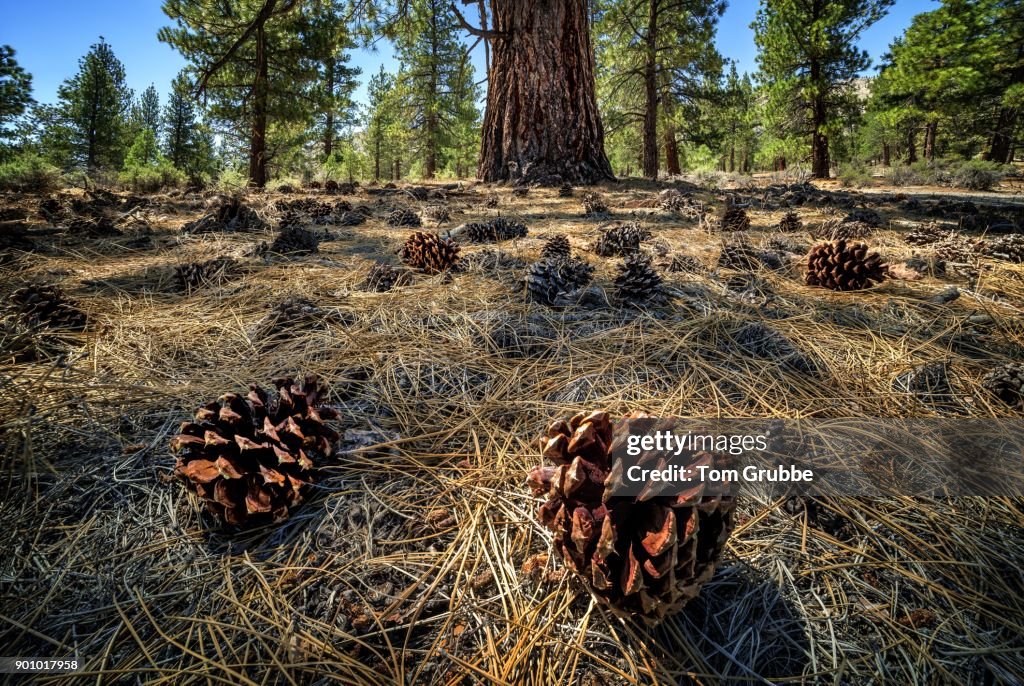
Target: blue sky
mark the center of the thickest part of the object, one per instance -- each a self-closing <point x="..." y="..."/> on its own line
<point x="50" y="36"/>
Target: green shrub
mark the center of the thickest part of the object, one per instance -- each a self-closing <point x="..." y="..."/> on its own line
<point x="978" y="175"/>
<point x="28" y="172"/>
<point x="152" y="178"/>
<point x="854" y="176"/>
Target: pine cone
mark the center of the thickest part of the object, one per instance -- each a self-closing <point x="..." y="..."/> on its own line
<point x="927" y="234"/>
<point x="1009" y="247"/>
<point x="734" y="219"/>
<point x="790" y="222"/>
<point x="47" y="306"/>
<point x="251" y="458"/>
<point x="1007" y="384"/>
<point x="491" y="201"/>
<point x="621" y="240"/>
<point x="229" y="214"/>
<point x="549" y="277"/>
<point x="292" y="219"/>
<point x="565" y="190"/>
<point x="835" y="230"/>
<point x="594" y="205"/>
<point x="296" y="241"/>
<point x="864" y="215"/>
<point x="403" y="217"/>
<point x="498" y="229"/>
<point x="684" y="263"/>
<point x="556" y="247"/>
<point x="430" y="253"/>
<point x="520" y="191"/>
<point x="383" y="277"/>
<point x="673" y="200"/>
<point x="330" y="186"/>
<point x="740" y="256"/>
<point x="437" y="213"/>
<point x="844" y="267"/>
<point x="643" y="558"/>
<point x="194" y="275"/>
<point x="638" y="283"/>
<point x="313" y="186"/>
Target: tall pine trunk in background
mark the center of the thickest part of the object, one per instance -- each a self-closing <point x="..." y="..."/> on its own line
<point x="258" y="141"/>
<point x="329" y="121"/>
<point x="650" y="127"/>
<point x="931" y="130"/>
<point x="1001" y="142"/>
<point x="542" y="122"/>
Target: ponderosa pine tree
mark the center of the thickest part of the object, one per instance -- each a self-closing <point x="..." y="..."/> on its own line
<point x="659" y="55"/>
<point x="380" y="115"/>
<point x="328" y="41"/>
<point x="808" y="54"/>
<point x="250" y="58"/>
<point x="15" y="89"/>
<point x="94" y="106"/>
<point x="148" y="109"/>
<point x="541" y="122"/>
<point x="179" y="121"/>
<point x="433" y="60"/>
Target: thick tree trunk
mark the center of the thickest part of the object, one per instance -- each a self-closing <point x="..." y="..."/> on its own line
<point x="542" y="123"/>
<point x="1001" y="143"/>
<point x="911" y="147"/>
<point x="930" y="131"/>
<point x="258" y="142"/>
<point x="886" y="155"/>
<point x="650" y="127"/>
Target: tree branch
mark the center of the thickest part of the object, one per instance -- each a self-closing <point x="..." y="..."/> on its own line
<point x="475" y="31"/>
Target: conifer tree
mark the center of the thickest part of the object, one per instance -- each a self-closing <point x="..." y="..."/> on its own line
<point x="15" y="89"/>
<point x="93" y="107"/>
<point x="253" y="62"/>
<point x="659" y="55"/>
<point x="808" y="54"/>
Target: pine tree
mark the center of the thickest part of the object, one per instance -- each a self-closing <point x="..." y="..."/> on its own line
<point x="179" y="121"/>
<point x="808" y="54"/>
<point x="94" y="105"/>
<point x="148" y="114"/>
<point x="660" y="55"/>
<point x="432" y="60"/>
<point x="380" y="115"/>
<point x="15" y="89"/>
<point x="252" y="60"/>
<point x="738" y="122"/>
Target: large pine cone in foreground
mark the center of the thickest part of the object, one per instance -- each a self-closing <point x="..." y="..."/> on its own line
<point x="42" y="305"/>
<point x="430" y="253"/>
<point x="844" y="266"/>
<point x="252" y="458"/>
<point x="643" y="556"/>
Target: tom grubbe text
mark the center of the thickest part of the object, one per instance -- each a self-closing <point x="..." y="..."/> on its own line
<point x="674" y="445"/>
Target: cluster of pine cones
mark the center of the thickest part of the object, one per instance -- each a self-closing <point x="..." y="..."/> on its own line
<point x="46" y="306"/>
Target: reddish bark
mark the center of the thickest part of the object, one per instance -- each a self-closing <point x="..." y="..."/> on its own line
<point x="542" y="123"/>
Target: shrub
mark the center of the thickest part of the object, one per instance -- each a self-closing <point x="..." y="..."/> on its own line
<point x="152" y="177"/>
<point x="904" y="176"/>
<point x="978" y="175"/>
<point x="28" y="172"/>
<point x="854" y="176"/>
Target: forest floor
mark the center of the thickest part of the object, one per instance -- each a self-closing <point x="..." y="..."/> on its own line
<point x="418" y="559"/>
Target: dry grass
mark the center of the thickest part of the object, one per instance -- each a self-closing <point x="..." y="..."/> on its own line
<point x="407" y="565"/>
